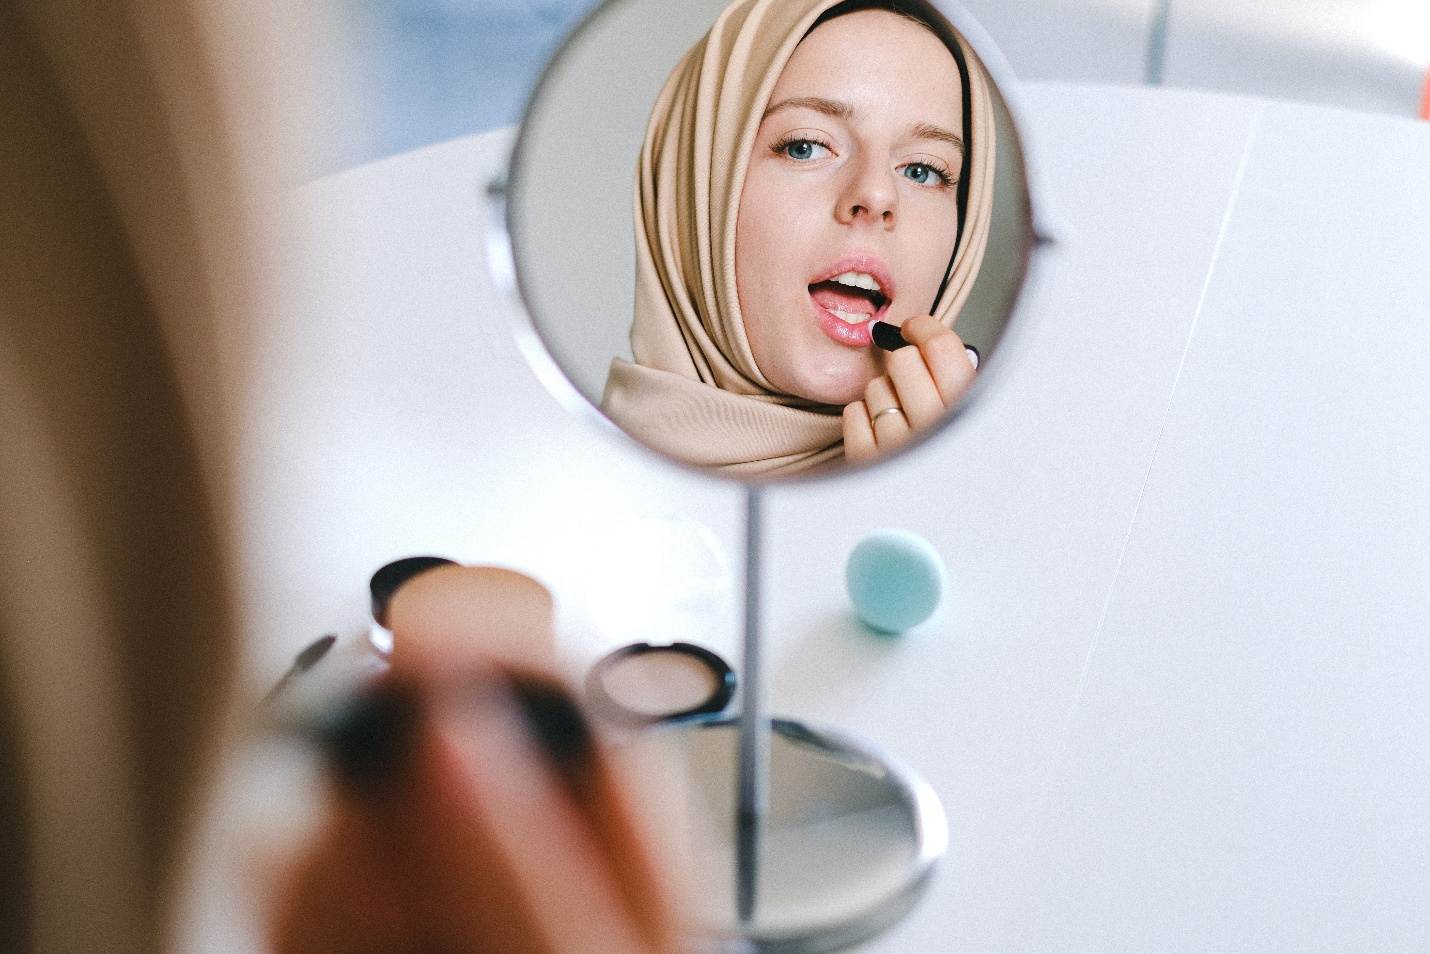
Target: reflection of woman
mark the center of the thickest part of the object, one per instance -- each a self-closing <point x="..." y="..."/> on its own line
<point x="810" y="166"/>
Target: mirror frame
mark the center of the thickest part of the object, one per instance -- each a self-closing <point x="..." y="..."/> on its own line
<point x="1014" y="338"/>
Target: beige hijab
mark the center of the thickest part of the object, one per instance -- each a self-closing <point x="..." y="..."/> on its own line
<point x="694" y="391"/>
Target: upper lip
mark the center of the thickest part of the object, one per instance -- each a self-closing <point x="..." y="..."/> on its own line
<point x="865" y="264"/>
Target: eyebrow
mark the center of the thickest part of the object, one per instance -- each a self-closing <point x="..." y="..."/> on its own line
<point x="829" y="107"/>
<point x="838" y="110"/>
<point x="938" y="133"/>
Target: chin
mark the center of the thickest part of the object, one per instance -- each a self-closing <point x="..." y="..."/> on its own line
<point x="835" y="392"/>
<point x="820" y="370"/>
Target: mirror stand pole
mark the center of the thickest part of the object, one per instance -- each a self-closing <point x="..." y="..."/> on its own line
<point x="754" y="769"/>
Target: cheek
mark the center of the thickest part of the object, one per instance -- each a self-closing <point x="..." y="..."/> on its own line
<point x="762" y="258"/>
<point x="762" y="229"/>
<point x="927" y="250"/>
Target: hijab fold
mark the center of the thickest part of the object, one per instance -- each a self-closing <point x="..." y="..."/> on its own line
<point x="694" y="391"/>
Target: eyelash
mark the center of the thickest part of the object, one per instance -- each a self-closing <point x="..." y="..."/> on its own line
<point x="781" y="148"/>
<point x="937" y="169"/>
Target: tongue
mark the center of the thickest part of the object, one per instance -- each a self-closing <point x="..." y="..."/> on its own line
<point x="836" y="297"/>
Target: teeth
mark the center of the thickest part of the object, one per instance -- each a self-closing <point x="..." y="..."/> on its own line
<point x="851" y="317"/>
<point x="858" y="280"/>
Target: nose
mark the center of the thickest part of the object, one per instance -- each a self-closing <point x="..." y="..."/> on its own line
<point x="869" y="193"/>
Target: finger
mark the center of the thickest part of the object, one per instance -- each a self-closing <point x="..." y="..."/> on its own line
<point x="891" y="428"/>
<point x="859" y="443"/>
<point x="944" y="355"/>
<point x="455" y="617"/>
<point x="434" y="838"/>
<point x="644" y="874"/>
<point x="488" y="768"/>
<point x="454" y="624"/>
<point x="604" y="794"/>
<point x="914" y="386"/>
<point x="491" y="850"/>
<point x="339" y="898"/>
<point x="466" y="615"/>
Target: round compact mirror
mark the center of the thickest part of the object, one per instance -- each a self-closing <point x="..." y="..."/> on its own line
<point x="777" y="246"/>
<point x="642" y="684"/>
<point x="772" y="240"/>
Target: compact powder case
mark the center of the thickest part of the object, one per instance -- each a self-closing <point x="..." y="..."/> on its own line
<point x="641" y="684"/>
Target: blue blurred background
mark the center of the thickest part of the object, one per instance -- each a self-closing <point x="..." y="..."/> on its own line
<point x="424" y="71"/>
<point x="436" y="69"/>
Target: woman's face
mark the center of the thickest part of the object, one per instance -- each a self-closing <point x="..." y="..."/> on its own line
<point x="849" y="208"/>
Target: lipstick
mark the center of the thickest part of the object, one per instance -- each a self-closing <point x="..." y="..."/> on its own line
<point x="890" y="338"/>
<point x="886" y="336"/>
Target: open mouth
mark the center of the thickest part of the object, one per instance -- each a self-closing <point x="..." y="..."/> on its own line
<point x="852" y="297"/>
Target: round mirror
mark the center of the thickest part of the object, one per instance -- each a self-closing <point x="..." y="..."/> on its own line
<point x="774" y="246"/>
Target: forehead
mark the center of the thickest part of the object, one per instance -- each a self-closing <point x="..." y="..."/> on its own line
<point x="877" y="60"/>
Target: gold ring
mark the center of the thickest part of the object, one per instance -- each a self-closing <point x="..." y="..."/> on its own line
<point x="887" y="410"/>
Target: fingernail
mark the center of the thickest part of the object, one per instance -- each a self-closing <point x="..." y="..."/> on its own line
<point x="556" y="723"/>
<point x="367" y="739"/>
<point x="887" y="336"/>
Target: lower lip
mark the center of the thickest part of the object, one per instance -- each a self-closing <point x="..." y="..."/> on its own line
<point x="852" y="335"/>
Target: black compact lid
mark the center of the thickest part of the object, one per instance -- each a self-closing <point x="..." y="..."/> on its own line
<point x="386" y="581"/>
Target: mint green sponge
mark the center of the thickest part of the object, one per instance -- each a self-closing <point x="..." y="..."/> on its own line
<point x="895" y="578"/>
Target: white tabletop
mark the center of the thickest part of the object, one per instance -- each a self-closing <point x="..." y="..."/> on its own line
<point x="1173" y="699"/>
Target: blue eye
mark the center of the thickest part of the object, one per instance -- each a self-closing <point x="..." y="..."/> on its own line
<point x="923" y="173"/>
<point x="803" y="150"/>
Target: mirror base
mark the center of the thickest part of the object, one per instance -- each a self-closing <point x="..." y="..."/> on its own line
<point x="847" y="846"/>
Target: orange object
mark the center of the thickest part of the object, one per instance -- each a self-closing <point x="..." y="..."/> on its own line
<point x="448" y="610"/>
<point x="1425" y="98"/>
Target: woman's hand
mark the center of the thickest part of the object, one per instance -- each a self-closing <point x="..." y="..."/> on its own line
<point x="923" y="382"/>
<point x="498" y="823"/>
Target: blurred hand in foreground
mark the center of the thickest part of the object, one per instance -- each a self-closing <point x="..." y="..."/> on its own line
<point x="475" y="810"/>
